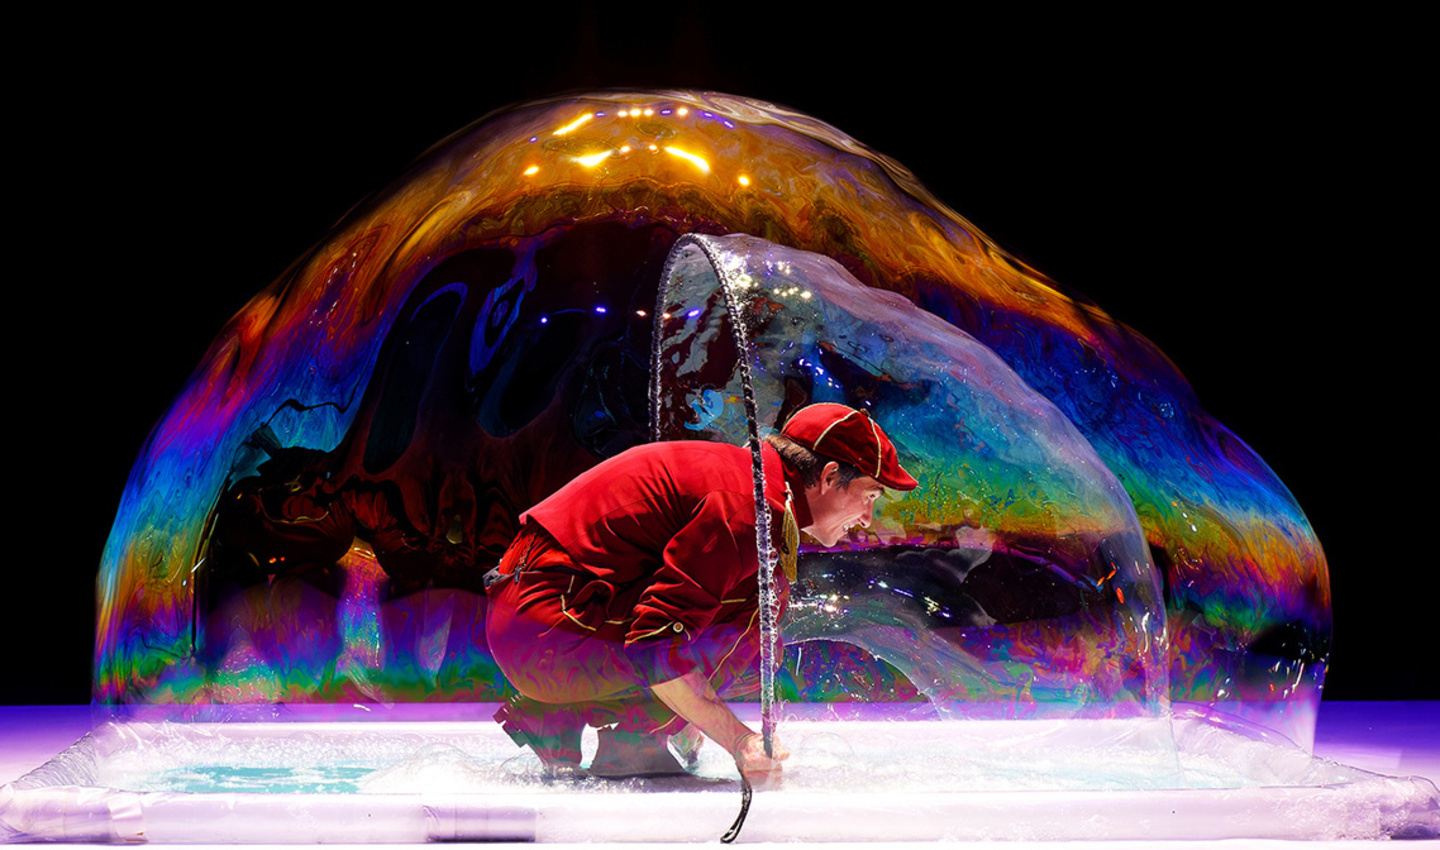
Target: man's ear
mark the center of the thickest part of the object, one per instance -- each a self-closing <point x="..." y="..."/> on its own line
<point x="830" y="476"/>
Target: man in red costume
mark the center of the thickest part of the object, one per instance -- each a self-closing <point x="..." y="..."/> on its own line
<point x="629" y="601"/>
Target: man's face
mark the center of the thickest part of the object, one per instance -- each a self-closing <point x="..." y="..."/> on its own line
<point x="835" y="509"/>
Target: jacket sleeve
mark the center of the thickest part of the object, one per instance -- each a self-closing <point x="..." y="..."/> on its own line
<point x="707" y="558"/>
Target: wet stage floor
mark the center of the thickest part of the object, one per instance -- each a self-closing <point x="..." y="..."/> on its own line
<point x="1389" y="738"/>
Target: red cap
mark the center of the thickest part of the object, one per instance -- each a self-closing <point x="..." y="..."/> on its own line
<point x="849" y="435"/>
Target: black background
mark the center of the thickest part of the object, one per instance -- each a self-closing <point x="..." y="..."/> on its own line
<point x="1243" y="192"/>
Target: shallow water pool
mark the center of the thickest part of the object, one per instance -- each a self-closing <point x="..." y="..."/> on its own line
<point x="847" y="780"/>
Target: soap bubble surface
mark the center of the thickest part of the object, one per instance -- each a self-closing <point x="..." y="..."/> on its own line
<point x="1013" y="580"/>
<point x="310" y="519"/>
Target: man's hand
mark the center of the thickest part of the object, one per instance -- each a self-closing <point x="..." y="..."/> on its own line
<point x="691" y="697"/>
<point x="762" y="770"/>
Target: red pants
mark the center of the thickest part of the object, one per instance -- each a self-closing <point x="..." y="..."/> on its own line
<point x="549" y="655"/>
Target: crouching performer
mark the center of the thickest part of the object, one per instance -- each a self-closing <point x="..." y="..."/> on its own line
<point x="629" y="601"/>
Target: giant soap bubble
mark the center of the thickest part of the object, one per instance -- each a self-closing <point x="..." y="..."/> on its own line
<point x="310" y="520"/>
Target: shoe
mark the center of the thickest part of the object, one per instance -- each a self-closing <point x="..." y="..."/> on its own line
<point x="551" y="731"/>
<point x="624" y="754"/>
<point x="686" y="744"/>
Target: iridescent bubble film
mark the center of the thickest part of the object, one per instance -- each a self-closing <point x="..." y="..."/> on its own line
<point x="310" y="520"/>
<point x="1014" y="579"/>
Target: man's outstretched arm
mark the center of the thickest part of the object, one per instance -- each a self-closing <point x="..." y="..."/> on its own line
<point x="691" y="697"/>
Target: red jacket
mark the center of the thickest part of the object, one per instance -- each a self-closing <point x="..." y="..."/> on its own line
<point x="666" y="535"/>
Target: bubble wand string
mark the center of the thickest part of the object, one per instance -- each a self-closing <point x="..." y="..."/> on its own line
<point x="764" y="546"/>
<point x="766" y="572"/>
<point x="734" y="831"/>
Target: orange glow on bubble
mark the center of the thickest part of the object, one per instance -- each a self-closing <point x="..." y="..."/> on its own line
<point x="573" y="125"/>
<point x="694" y="159"/>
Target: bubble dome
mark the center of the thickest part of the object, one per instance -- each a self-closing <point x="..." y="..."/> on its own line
<point x="311" y="519"/>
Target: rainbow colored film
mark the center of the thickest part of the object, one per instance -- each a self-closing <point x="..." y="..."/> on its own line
<point x="1013" y="580"/>
<point x="311" y="519"/>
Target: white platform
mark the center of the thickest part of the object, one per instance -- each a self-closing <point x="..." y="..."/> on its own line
<point x="921" y="781"/>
